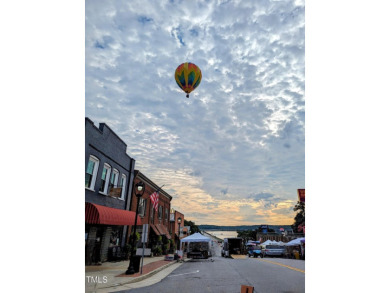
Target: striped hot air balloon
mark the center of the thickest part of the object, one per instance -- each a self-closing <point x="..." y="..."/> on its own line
<point x="188" y="77"/>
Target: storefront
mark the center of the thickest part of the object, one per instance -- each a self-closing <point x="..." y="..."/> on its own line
<point x="103" y="231"/>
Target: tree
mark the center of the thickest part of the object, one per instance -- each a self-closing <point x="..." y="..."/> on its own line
<point x="194" y="228"/>
<point x="300" y="216"/>
<point x="247" y="235"/>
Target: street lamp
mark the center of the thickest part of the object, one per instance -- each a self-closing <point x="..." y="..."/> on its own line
<point x="179" y="222"/>
<point x="139" y="191"/>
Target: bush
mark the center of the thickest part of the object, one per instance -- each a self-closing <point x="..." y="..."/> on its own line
<point x="157" y="250"/>
<point x="166" y="248"/>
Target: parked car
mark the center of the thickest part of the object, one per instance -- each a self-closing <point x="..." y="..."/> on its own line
<point x="254" y="251"/>
<point x="273" y="250"/>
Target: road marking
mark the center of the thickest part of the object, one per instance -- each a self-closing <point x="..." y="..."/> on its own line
<point x="279" y="264"/>
<point x="184" y="274"/>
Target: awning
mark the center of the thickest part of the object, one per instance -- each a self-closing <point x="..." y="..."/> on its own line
<point x="155" y="229"/>
<point x="164" y="230"/>
<point x="97" y="214"/>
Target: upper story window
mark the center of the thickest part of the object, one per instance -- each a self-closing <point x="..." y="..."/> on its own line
<point x="160" y="210"/>
<point x="151" y="214"/>
<point x="114" y="178"/>
<point x="123" y="186"/>
<point x="142" y="207"/>
<point x="104" y="180"/>
<point x="91" y="173"/>
<point x="166" y="214"/>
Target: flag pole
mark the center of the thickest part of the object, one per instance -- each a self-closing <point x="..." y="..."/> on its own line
<point x="159" y="188"/>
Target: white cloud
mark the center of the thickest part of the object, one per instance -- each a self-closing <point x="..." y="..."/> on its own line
<point x="242" y="130"/>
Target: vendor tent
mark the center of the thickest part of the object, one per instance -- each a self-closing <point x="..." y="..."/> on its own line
<point x="297" y="241"/>
<point x="268" y="242"/>
<point x="196" y="237"/>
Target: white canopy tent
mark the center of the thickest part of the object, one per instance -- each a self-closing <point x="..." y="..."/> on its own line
<point x="297" y="241"/>
<point x="268" y="242"/>
<point x="196" y="237"/>
<point x="273" y="242"/>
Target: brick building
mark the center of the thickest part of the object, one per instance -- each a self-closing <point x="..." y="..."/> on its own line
<point x="159" y="224"/>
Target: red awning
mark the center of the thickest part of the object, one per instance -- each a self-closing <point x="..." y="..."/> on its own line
<point x="155" y="229"/>
<point x="163" y="230"/>
<point x="97" y="214"/>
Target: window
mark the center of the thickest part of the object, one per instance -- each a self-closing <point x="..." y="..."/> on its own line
<point x="90" y="175"/>
<point x="123" y="185"/>
<point x="114" y="178"/>
<point x="142" y="207"/>
<point x="151" y="214"/>
<point x="160" y="209"/>
<point x="104" y="180"/>
<point x="166" y="214"/>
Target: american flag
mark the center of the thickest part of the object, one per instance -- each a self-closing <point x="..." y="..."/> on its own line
<point x="154" y="199"/>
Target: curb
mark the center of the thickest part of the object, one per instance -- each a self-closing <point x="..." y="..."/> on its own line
<point x="143" y="277"/>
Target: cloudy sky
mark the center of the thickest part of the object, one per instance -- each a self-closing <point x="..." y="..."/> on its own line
<point x="234" y="152"/>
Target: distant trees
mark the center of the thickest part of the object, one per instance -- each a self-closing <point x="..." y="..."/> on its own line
<point x="193" y="227"/>
<point x="300" y="216"/>
<point x="247" y="235"/>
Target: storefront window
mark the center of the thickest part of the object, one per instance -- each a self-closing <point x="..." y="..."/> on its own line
<point x="115" y="237"/>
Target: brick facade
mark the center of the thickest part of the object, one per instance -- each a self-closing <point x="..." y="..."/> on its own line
<point x="150" y="216"/>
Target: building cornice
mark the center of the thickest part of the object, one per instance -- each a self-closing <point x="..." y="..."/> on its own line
<point x="149" y="182"/>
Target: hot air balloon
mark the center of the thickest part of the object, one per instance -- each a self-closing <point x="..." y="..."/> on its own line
<point x="188" y="77"/>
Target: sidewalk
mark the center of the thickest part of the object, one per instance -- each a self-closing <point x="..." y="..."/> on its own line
<point x="111" y="275"/>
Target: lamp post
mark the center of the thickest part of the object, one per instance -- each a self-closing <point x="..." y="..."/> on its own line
<point x="139" y="189"/>
<point x="179" y="222"/>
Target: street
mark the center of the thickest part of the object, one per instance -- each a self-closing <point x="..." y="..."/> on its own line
<point x="227" y="275"/>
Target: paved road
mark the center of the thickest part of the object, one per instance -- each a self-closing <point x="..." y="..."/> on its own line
<point x="227" y="275"/>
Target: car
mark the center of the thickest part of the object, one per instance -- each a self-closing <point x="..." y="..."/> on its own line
<point x="254" y="251"/>
<point x="273" y="250"/>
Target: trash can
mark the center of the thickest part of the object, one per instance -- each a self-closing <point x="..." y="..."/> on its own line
<point x="136" y="262"/>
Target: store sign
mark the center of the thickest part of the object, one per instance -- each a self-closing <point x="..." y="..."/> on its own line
<point x="115" y="191"/>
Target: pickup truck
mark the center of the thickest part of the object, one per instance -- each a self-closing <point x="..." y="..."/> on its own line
<point x="273" y="250"/>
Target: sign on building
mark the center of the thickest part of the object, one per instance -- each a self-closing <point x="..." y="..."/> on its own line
<point x="115" y="191"/>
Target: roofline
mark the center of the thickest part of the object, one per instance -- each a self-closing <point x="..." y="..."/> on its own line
<point x="146" y="180"/>
<point x="100" y="128"/>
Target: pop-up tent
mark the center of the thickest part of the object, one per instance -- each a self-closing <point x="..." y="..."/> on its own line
<point x="196" y="237"/>
<point x="297" y="241"/>
<point x="270" y="242"/>
<point x="201" y="247"/>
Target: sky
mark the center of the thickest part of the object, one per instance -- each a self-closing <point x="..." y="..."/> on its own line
<point x="233" y="153"/>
